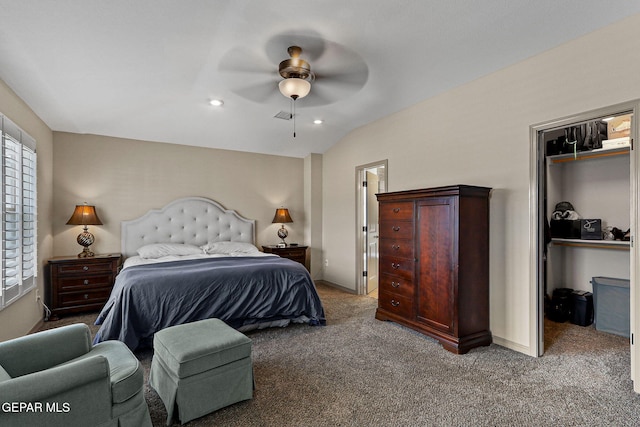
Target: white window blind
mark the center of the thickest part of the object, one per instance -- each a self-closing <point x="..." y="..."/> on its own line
<point x="19" y="266"/>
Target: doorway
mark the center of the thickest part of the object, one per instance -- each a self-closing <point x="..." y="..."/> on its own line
<point x="370" y="180"/>
<point x="601" y="184"/>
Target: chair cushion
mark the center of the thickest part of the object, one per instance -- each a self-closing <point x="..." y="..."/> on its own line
<point x="4" y="375"/>
<point x="196" y="347"/>
<point x="126" y="374"/>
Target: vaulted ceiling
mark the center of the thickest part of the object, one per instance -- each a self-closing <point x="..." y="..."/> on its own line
<point x="147" y="69"/>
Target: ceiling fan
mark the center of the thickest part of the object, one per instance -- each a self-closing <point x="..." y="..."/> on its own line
<point x="296" y="73"/>
<point x="318" y="70"/>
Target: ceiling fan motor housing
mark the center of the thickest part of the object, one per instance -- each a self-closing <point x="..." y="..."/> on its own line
<point x="295" y="67"/>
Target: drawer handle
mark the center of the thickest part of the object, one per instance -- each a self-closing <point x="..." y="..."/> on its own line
<point x="86" y="281"/>
<point x="395" y="284"/>
<point x="85" y="268"/>
<point x="86" y="296"/>
<point x="395" y="266"/>
<point x="395" y="247"/>
<point x="396" y="210"/>
<point x="396" y="228"/>
<point x="395" y="303"/>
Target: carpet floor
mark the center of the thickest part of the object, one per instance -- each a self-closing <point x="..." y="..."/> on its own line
<point x="358" y="371"/>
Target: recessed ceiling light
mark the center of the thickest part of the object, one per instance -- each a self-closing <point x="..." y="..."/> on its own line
<point x="217" y="102"/>
<point x="318" y="122"/>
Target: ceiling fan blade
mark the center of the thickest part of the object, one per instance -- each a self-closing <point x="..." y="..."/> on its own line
<point x="259" y="92"/>
<point x="317" y="98"/>
<point x="243" y="60"/>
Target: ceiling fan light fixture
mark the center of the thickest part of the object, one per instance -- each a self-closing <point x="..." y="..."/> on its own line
<point x="294" y="87"/>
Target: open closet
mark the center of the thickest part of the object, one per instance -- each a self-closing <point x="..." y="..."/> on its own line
<point x="588" y="213"/>
<point x="586" y="184"/>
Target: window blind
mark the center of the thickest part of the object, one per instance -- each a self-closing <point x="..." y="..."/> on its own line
<point x="19" y="220"/>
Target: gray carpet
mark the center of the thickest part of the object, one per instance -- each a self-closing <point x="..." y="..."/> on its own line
<point x="358" y="371"/>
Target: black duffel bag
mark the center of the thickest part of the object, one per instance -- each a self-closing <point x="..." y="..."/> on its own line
<point x="560" y="307"/>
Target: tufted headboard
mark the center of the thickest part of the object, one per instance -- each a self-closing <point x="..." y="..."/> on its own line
<point x="193" y="220"/>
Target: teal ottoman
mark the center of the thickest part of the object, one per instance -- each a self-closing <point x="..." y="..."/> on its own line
<point x="201" y="367"/>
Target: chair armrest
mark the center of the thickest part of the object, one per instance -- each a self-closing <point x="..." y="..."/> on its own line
<point x="40" y="386"/>
<point x="42" y="350"/>
<point x="77" y="393"/>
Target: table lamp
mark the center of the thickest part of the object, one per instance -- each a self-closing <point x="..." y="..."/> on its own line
<point x="282" y="216"/>
<point x="85" y="215"/>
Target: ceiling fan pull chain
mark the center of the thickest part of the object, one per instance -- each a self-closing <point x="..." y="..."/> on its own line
<point x="293" y="115"/>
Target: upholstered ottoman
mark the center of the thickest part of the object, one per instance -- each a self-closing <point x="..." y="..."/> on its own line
<point x="201" y="367"/>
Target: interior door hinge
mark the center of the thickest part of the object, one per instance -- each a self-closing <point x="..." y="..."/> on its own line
<point x="364" y="273"/>
<point x="364" y="183"/>
<point x="631" y="339"/>
<point x="364" y="228"/>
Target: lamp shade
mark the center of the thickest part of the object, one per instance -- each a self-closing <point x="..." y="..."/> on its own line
<point x="294" y="87"/>
<point x="84" y="215"/>
<point x="282" y="216"/>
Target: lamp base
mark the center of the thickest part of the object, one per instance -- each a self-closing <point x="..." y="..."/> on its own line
<point x="283" y="233"/>
<point x="85" y="239"/>
<point x="86" y="253"/>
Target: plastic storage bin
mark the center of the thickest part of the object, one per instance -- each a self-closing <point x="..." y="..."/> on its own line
<point x="611" y="301"/>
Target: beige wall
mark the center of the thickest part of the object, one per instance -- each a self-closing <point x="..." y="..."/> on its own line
<point x="313" y="209"/>
<point x="479" y="134"/>
<point x="21" y="316"/>
<point x="125" y="178"/>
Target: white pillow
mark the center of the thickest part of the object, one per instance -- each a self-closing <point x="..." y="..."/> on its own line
<point x="229" y="248"/>
<point x="159" y="250"/>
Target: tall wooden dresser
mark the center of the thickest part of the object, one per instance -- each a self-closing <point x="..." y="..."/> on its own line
<point x="434" y="263"/>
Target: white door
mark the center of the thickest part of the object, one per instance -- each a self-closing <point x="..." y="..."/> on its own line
<point x="635" y="264"/>
<point x="372" y="232"/>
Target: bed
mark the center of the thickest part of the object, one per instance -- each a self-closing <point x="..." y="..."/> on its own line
<point x="193" y="260"/>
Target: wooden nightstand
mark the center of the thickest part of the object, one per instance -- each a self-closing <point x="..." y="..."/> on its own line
<point x="80" y="284"/>
<point x="295" y="253"/>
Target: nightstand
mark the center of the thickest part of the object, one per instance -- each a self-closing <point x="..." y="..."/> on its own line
<point x="295" y="253"/>
<point x="80" y="284"/>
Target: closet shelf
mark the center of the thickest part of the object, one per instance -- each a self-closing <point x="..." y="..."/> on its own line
<point x="591" y="154"/>
<point x="599" y="244"/>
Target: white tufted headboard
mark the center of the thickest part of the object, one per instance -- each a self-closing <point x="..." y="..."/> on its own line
<point x="193" y="220"/>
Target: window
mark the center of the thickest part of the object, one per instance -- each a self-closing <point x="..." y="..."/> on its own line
<point x="19" y="240"/>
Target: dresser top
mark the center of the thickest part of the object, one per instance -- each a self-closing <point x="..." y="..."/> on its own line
<point x="97" y="258"/>
<point x="451" y="190"/>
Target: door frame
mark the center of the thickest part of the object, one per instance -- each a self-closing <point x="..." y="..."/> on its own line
<point x="361" y="198"/>
<point x="536" y="227"/>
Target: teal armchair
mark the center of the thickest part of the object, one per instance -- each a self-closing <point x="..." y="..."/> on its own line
<point x="57" y="378"/>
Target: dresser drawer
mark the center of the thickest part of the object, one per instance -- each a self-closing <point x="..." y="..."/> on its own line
<point x="396" y="211"/>
<point x="83" y="267"/>
<point x="396" y="285"/>
<point x="293" y="253"/>
<point x="77" y="285"/>
<point x="397" y="304"/>
<point x="401" y="248"/>
<point x="400" y="267"/>
<point x="396" y="230"/>
<point x="93" y="296"/>
<point x="71" y="283"/>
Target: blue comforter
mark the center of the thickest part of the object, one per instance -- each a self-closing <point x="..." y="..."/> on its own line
<point x="244" y="292"/>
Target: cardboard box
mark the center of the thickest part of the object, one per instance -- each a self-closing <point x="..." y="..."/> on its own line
<point x="616" y="143"/>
